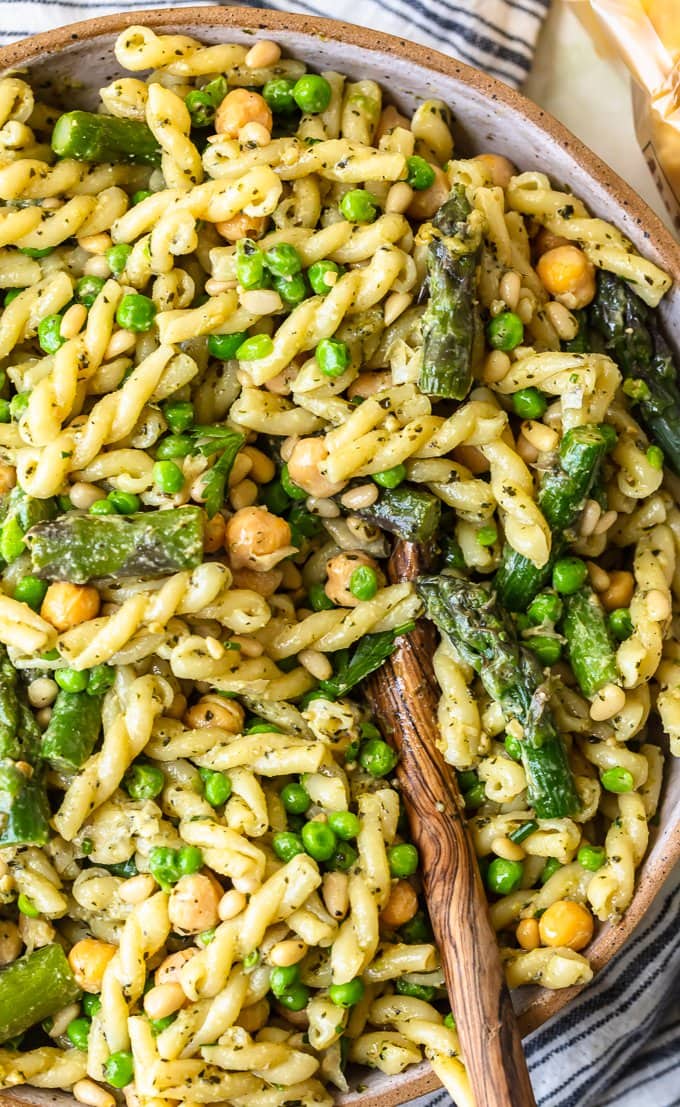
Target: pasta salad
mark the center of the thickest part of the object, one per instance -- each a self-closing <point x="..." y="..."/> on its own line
<point x="258" y="327"/>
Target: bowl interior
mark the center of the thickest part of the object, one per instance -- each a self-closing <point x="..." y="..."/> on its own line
<point x="71" y="64"/>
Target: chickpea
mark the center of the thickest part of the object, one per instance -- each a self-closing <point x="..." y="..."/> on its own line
<point x="213" y="537"/>
<point x="401" y="906"/>
<point x="340" y="569"/>
<point x="164" y="999"/>
<point x="389" y="119"/>
<point x="425" y="203"/>
<point x="170" y="969"/>
<point x="499" y="169"/>
<point x="242" y="226"/>
<point x="545" y="240"/>
<point x="367" y="384"/>
<point x="10" y="942"/>
<point x="8" y="477"/>
<point x="89" y="959"/>
<point x="619" y="591"/>
<point x="240" y="107"/>
<point x="303" y="468"/>
<point x="66" y="605"/>
<point x="568" y="275"/>
<point x="265" y="583"/>
<point x="566" y="923"/>
<point x="256" y="539"/>
<point x="193" y="904"/>
<point x="216" y="711"/>
<point x="527" y="934"/>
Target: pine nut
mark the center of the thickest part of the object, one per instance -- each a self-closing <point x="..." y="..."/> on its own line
<point x="288" y="445"/>
<point x="231" y="904"/>
<point x="261" y="301"/>
<point x="42" y="692"/>
<point x="263" y="54"/>
<point x="589" y="518"/>
<point x="362" y="496"/>
<point x="658" y="605"/>
<point x="598" y="578"/>
<point x="526" y="451"/>
<point x="542" y="438"/>
<point x="249" y="647"/>
<point x="62" y="1018"/>
<point x="244" y="495"/>
<point x="73" y="321"/>
<point x="316" y="663"/>
<point x="525" y="307"/>
<point x="137" y="888"/>
<point x="287" y="953"/>
<point x="330" y="278"/>
<point x="608" y="702"/>
<point x="515" y="729"/>
<point x="291" y="577"/>
<point x="43" y="717"/>
<point x="240" y="469"/>
<point x="163" y="999"/>
<point x="336" y="894"/>
<point x="97" y="266"/>
<point x="86" y="1091"/>
<point x="262" y="468"/>
<point x="395" y="305"/>
<point x="327" y="509"/>
<point x="254" y="134"/>
<point x="119" y="343"/>
<point x="214" y="287"/>
<point x="605" y="522"/>
<point x="562" y="320"/>
<point x="82" y="494"/>
<point x="96" y="243"/>
<point x="246" y="884"/>
<point x="619" y="593"/>
<point x="496" y="366"/>
<point x="215" y="649"/>
<point x="399" y="197"/>
<point x="509" y="851"/>
<point x="509" y="288"/>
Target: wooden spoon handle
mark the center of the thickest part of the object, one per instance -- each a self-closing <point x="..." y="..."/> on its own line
<point x="404" y="696"/>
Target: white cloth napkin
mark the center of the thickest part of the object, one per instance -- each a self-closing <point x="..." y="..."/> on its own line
<point x="618" y="1044"/>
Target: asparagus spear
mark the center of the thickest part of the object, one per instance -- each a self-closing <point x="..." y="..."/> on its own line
<point x="408" y="512"/>
<point x="72" y="731"/>
<point x="589" y="646"/>
<point x="34" y="987"/>
<point x="451" y="324"/>
<point x="79" y="548"/>
<point x="102" y="138"/>
<point x="370" y="653"/>
<point x="22" y="512"/>
<point x="23" y="804"/>
<point x="562" y="493"/>
<point x="485" y="638"/>
<point x="631" y="331"/>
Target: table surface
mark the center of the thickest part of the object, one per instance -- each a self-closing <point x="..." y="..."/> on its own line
<point x="591" y="95"/>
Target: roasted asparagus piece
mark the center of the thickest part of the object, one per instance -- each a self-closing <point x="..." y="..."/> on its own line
<point x="452" y="324"/>
<point x="72" y="731"/>
<point x="411" y="513"/>
<point x="486" y="640"/>
<point x="589" y="645"/>
<point x="34" y="987"/>
<point x="23" y="803"/>
<point x="102" y="138"/>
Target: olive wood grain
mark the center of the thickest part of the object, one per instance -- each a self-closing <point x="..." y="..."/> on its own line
<point x="404" y="697"/>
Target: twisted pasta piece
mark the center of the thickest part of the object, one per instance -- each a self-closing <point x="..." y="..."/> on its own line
<point x="336" y="160"/>
<point x="460" y="728"/>
<point x="559" y="967"/>
<point x="22" y="628"/>
<point x="21" y="317"/>
<point x="511" y="482"/>
<point x="31" y="179"/>
<point x="653" y="566"/>
<point x="585" y="383"/>
<point x="611" y="888"/>
<point x="81" y="215"/>
<point x="169" y="121"/>
<point x="668" y="700"/>
<point x="45" y="1067"/>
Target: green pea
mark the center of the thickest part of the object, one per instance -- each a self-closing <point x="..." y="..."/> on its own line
<point x="418" y="991"/>
<point x="359" y="206"/>
<point x="189" y="860"/>
<point x="529" y="403"/>
<point x="86" y="847"/>
<point x="283" y="260"/>
<point x="278" y="93"/>
<point x="254" y="347"/>
<point x="295" y="799"/>
<point x="136" y="312"/>
<point x="71" y="680"/>
<point x="64" y="503"/>
<point x="449" y="1021"/>
<point x="417" y="930"/>
<point x="216" y="788"/>
<point x="287" y="845"/>
<point x="18" y="405"/>
<point x="343" y="858"/>
<point x="11" y="294"/>
<point x="140" y="195"/>
<point x="250" y="268"/>
<point x="163" y="866"/>
<point x="420" y="174"/>
<point x="513" y="747"/>
<point x="505" y="331"/>
<point x="283" y="977"/>
<point x="175" y="445"/>
<point x="487" y="535"/>
<point x="143" y="782"/>
<point x="655" y="457"/>
<point x="117" y="257"/>
<point x="318" y="840"/>
<point x="296" y="998"/>
<point x="346" y="995"/>
<point x="549" y="869"/>
<point x="159" y="1025"/>
<point x="369" y="730"/>
<point x="88" y="288"/>
<point x="620" y="623"/>
<point x="261" y="726"/>
<point x="318" y="600"/>
<point x="125" y="503"/>
<point x="49" y="334"/>
<point x="202" y="102"/>
<point x="32" y="252"/>
<point x="546" y="608"/>
<point x="119" y="1069"/>
<point x="403" y="860"/>
<point x="12" y="543"/>
<point x="617" y="780"/>
<point x="377" y="758"/>
<point x="100" y="679"/>
<point x="27" y="907"/>
<point x="5" y="411"/>
<point x="31" y="590"/>
<point x="332" y="356"/>
<point x="179" y="416"/>
<point x="251" y="959"/>
<point x="547" y="648"/>
<point x="504" y="876"/>
<point x="312" y="93"/>
<point x="363" y="583"/>
<point x="467" y="779"/>
<point x="569" y="574"/>
<point x="319" y="271"/>
<point x="78" y="1032"/>
<point x="344" y="824"/>
<point x="390" y="478"/>
<point x="168" y="476"/>
<point x="224" y="346"/>
<point x="292" y="290"/>
<point x="102" y="507"/>
<point x="524" y="831"/>
<point x="92" y="1004"/>
<point x="591" y="858"/>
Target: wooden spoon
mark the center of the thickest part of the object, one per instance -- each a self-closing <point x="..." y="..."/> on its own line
<point x="404" y="696"/>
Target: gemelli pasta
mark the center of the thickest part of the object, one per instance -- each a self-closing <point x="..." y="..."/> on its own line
<point x="258" y="327"/>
